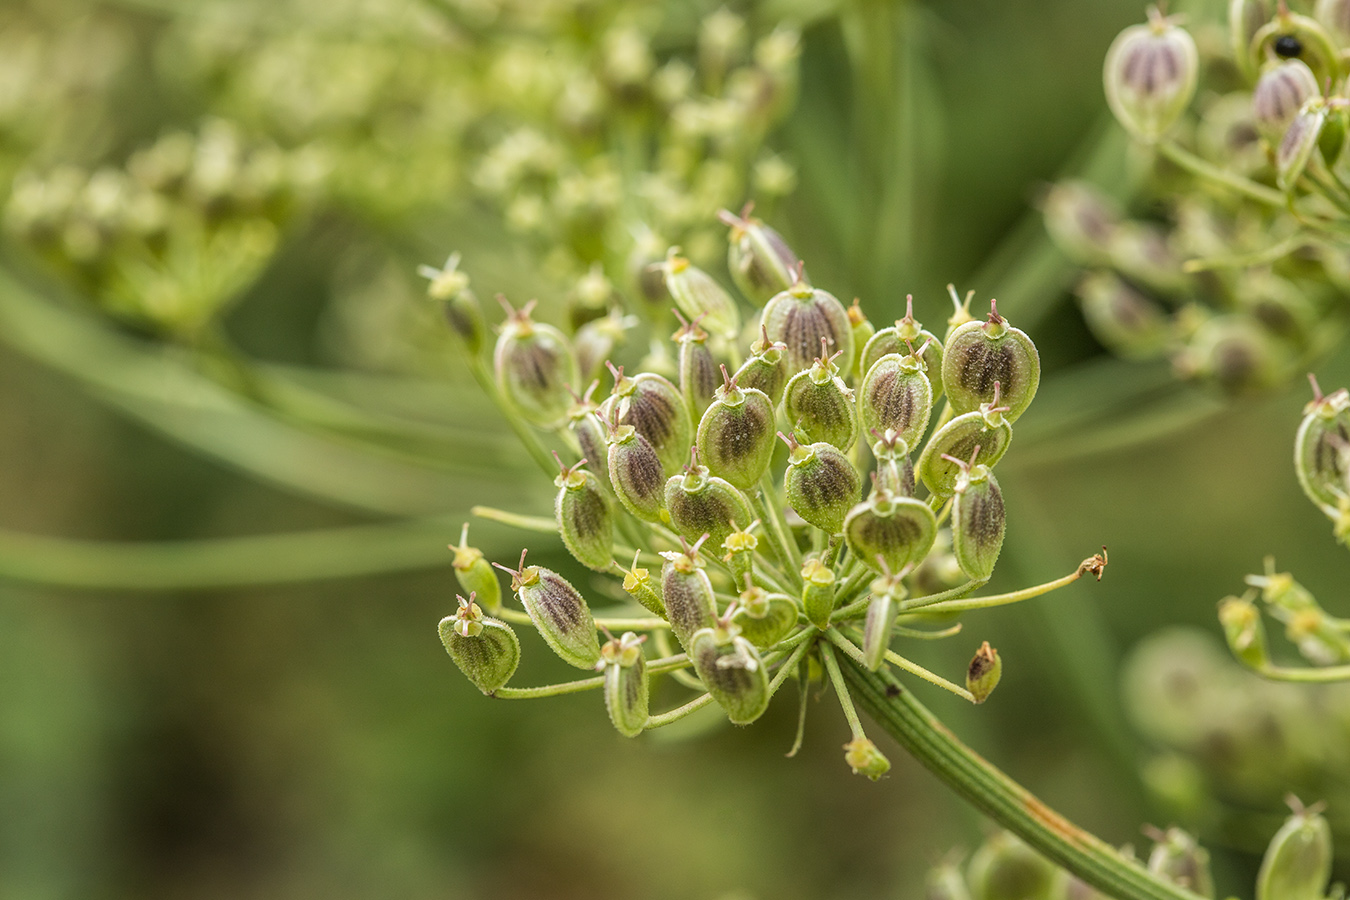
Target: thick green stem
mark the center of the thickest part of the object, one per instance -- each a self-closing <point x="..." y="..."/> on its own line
<point x="996" y="795"/>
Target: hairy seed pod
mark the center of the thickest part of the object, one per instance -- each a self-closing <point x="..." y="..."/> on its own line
<point x="863" y="757"/>
<point x="636" y="474"/>
<point x="1150" y="76"/>
<point x="1320" y="459"/>
<point x="701" y="504"/>
<point x="698" y="369"/>
<point x="1244" y="631"/>
<point x="1300" y="141"/>
<point x="740" y="556"/>
<point x="1297" y="864"/>
<point x="1081" y="220"/>
<point x="559" y="612"/>
<point x="732" y="672"/>
<point x="588" y="428"/>
<point x="475" y="575"/>
<point x="887" y="532"/>
<point x="585" y="519"/>
<point x="534" y="366"/>
<point x="895" y="472"/>
<point x="1278" y="96"/>
<point x="626" y="685"/>
<point x="638" y="584"/>
<point x="766" y="368"/>
<point x="818" y="595"/>
<point x="699" y="296"/>
<point x="980" y="355"/>
<point x="863" y="331"/>
<point x="1005" y="867"/>
<point x="657" y="411"/>
<point x="687" y="594"/>
<point x="1177" y="857"/>
<point x="485" y="650"/>
<point x="901" y="338"/>
<point x="821" y="484"/>
<point x="984" y="672"/>
<point x="760" y="261"/>
<point x="887" y="592"/>
<point x="978" y="522"/>
<point x="800" y="317"/>
<point x="763" y="618"/>
<point x="986" y="429"/>
<point x="820" y="406"/>
<point x="736" y="434"/>
<point x="1125" y="320"/>
<point x="896" y="396"/>
<point x="463" y="313"/>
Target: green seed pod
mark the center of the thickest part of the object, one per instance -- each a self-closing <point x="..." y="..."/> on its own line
<point x="1081" y="220"/>
<point x="1245" y="19"/>
<point x="1244" y="631"/>
<point x="896" y="396"/>
<point x="638" y="584"/>
<point x="534" y="366"/>
<point x="595" y="341"/>
<point x="656" y="410"/>
<point x="766" y="369"/>
<point x="1179" y="858"/>
<point x="888" y="532"/>
<point x="978" y="521"/>
<point x="698" y="369"/>
<point x="736" y="433"/>
<point x="1126" y="321"/>
<point x="800" y="317"/>
<point x="945" y="882"/>
<point x="699" y="296"/>
<point x="588" y="428"/>
<point x="763" y="618"/>
<point x="1004" y="868"/>
<point x="901" y="338"/>
<point x="980" y="355"/>
<point x="740" y="555"/>
<point x="1142" y="252"/>
<point x="585" y="519"/>
<point x="863" y="331"/>
<point x="1280" y="306"/>
<point x="984" y="672"/>
<point x="1297" y="864"/>
<point x="636" y="474"/>
<point x="475" y="575"/>
<point x="760" y="261"/>
<point x="895" y="472"/>
<point x="821" y="484"/>
<point x="1334" y="15"/>
<point x="626" y="685"/>
<point x="701" y="504"/>
<point x="818" y="592"/>
<point x="559" y="612"/>
<point x="485" y="650"/>
<point x="985" y="429"/>
<point x="731" y="671"/>
<point x="463" y="313"/>
<point x="864" y="758"/>
<point x="820" y="406"/>
<point x="687" y="594"/>
<point x="1319" y="460"/>
<point x="1236" y="354"/>
<point x="1300" y="141"/>
<point x="1279" y="94"/>
<point x="1150" y="76"/>
<point x="887" y="592"/>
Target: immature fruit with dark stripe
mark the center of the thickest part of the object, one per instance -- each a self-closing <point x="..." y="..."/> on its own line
<point x="760" y="261"/>
<point x="897" y="396"/>
<point x="559" y="612"/>
<point x="820" y="406"/>
<point x="698" y="369"/>
<point x="687" y="593"/>
<point x="901" y="337"/>
<point x="626" y="687"/>
<point x="587" y="426"/>
<point x="635" y="473"/>
<point x="887" y="532"/>
<point x="732" y="672"/>
<point x="584" y="517"/>
<point x="700" y="503"/>
<point x="1322" y="448"/>
<point x="736" y="434"/>
<point x="1279" y="94"/>
<point x="699" y="296"/>
<point x="821" y="484"/>
<point x="801" y="317"/>
<point x="766" y="368"/>
<point x="978" y="521"/>
<point x="980" y="355"/>
<point x="982" y="437"/>
<point x="485" y="650"/>
<point x="534" y="367"/>
<point x="1150" y="75"/>
<point x="656" y="410"/>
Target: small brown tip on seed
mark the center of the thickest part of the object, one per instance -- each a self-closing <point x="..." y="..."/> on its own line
<point x="790" y="439"/>
<point x="727" y="381"/>
<point x="1316" y="388"/>
<point x="993" y="312"/>
<point x="747" y="209"/>
<point x="909" y="307"/>
<point x="728" y="218"/>
<point x="800" y="274"/>
<point x="506" y="305"/>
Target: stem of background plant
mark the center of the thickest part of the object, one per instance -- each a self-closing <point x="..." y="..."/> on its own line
<point x="521" y="428"/>
<point x="992" y="792"/>
<point x="1200" y="168"/>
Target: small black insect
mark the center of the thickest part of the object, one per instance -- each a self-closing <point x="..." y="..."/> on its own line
<point x="892" y="691"/>
<point x="1288" y="47"/>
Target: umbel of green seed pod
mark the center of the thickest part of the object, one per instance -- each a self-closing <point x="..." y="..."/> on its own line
<point x="687" y="594"/>
<point x="818" y="592"/>
<point x="864" y="758"/>
<point x="819" y="405"/>
<point x="700" y="503"/>
<point x="732" y="672"/>
<point x="475" y="575"/>
<point x="1319" y="460"/>
<point x="1279" y="94"/>
<point x="699" y="296"/>
<point x="901" y="338"/>
<point x="1179" y="858"/>
<point x="463" y="313"/>
<point x="1244" y="631"/>
<point x="626" y="687"/>
<point x="1300" y="141"/>
<point x="895" y="472"/>
<point x="736" y="434"/>
<point x="1297" y="864"/>
<point x="485" y="650"/>
<point x="534" y="366"/>
<point x="698" y="369"/>
<point x="637" y="583"/>
<point x="766" y="369"/>
<point x="1150" y="76"/>
<point x="978" y="521"/>
<point x="760" y="261"/>
<point x="983" y="673"/>
<point x="1006" y="867"/>
<point x="656" y="410"/>
<point x="635" y="473"/>
<point x="764" y="618"/>
<point x="888" y="532"/>
<point x="559" y="612"/>
<point x="986" y="429"/>
<point x="589" y="430"/>
<point x="585" y="519"/>
<point x="897" y="396"/>
<point x="800" y="317"/>
<point x="821" y="483"/>
<point x="980" y="355"/>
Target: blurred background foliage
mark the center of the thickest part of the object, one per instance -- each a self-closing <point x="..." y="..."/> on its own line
<point x="236" y="439"/>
